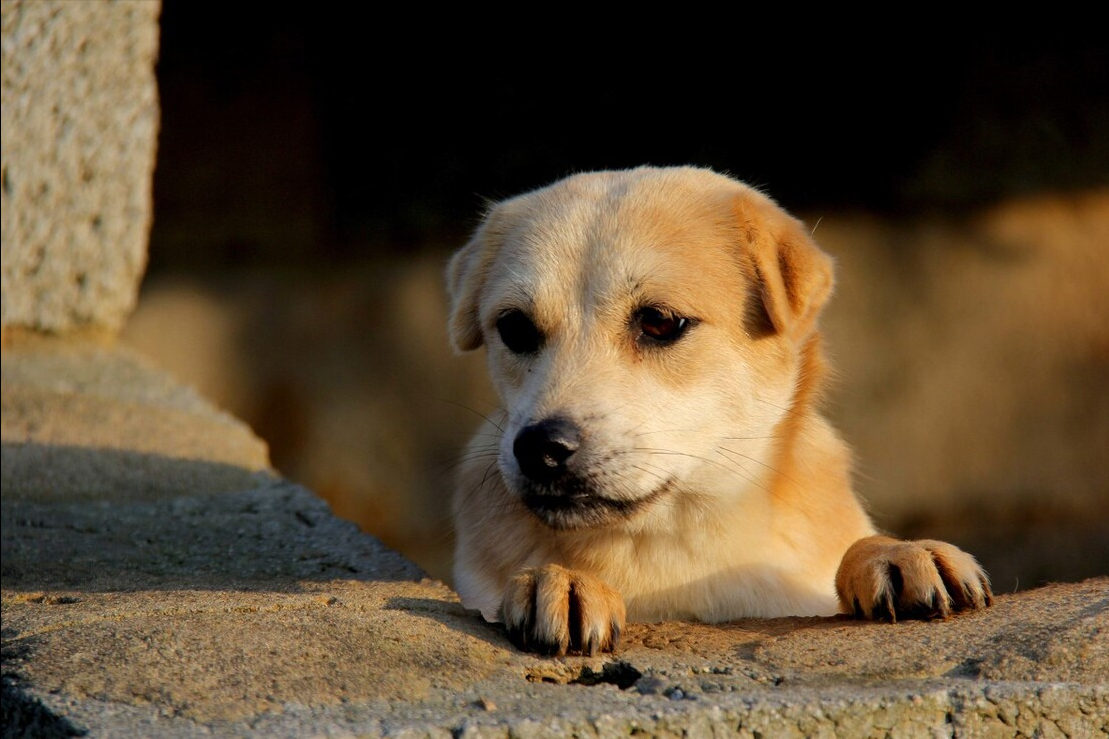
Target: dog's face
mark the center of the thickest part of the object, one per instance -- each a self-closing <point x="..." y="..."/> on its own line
<point x="643" y="330"/>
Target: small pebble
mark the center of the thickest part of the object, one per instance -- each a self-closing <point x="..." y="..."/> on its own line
<point x="60" y="600"/>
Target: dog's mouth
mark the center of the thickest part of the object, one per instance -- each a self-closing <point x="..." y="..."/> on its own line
<point x="580" y="510"/>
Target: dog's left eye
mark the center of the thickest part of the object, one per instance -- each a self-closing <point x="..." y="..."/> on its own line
<point x="660" y="326"/>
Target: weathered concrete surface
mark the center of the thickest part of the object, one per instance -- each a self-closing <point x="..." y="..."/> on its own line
<point x="79" y="122"/>
<point x="84" y="422"/>
<point x="150" y="590"/>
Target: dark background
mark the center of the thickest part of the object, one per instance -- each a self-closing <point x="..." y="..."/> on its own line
<point x="322" y="136"/>
<point x="316" y="168"/>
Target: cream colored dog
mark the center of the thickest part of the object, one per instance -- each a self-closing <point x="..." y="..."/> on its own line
<point x="652" y="336"/>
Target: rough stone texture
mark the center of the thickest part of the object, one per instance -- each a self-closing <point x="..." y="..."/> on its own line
<point x="159" y="580"/>
<point x="79" y="122"/>
<point x="82" y="422"/>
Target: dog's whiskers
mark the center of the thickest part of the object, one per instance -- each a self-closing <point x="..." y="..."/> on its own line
<point x="674" y="453"/>
<point x="476" y="412"/>
<point x="784" y="409"/>
<point x="769" y="467"/>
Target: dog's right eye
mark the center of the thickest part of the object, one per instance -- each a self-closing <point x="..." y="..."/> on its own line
<point x="518" y="333"/>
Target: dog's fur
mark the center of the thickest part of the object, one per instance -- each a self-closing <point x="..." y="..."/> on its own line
<point x="652" y="336"/>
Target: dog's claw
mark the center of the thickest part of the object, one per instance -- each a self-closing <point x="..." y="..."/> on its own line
<point x="883" y="578"/>
<point x="554" y="611"/>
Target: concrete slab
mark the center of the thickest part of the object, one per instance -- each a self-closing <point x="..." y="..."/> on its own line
<point x="195" y="593"/>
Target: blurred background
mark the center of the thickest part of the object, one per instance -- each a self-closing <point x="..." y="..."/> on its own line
<point x="314" y="172"/>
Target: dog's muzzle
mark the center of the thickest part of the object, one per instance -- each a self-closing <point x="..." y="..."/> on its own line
<point x="555" y="488"/>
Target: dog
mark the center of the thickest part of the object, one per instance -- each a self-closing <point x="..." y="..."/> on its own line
<point x="652" y="335"/>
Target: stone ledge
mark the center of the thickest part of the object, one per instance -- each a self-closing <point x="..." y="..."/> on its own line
<point x="185" y="591"/>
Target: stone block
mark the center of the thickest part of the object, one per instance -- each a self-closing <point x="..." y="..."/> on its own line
<point x="79" y="127"/>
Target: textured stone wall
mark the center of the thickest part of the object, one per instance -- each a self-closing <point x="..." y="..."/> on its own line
<point x="79" y="126"/>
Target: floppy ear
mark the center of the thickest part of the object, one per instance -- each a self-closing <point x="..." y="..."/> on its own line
<point x="467" y="272"/>
<point x="794" y="275"/>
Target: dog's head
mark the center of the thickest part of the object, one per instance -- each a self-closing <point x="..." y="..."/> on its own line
<point x="643" y="331"/>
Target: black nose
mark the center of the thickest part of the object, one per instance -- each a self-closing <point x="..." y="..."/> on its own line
<point x="543" y="449"/>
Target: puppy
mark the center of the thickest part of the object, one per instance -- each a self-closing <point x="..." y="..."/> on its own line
<point x="652" y="336"/>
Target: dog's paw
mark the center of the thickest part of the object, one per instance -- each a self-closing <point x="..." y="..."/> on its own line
<point x="884" y="578"/>
<point x="553" y="610"/>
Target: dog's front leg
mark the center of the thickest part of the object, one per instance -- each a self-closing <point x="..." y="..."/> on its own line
<point x="553" y="610"/>
<point x="885" y="578"/>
